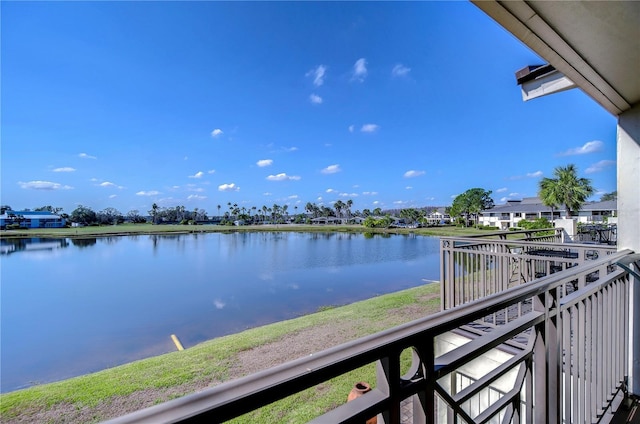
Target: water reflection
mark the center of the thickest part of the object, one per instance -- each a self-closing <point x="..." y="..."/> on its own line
<point x="106" y="301"/>
<point x="84" y="242"/>
<point x="8" y="246"/>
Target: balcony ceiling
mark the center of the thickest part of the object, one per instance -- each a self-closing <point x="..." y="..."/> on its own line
<point x="594" y="43"/>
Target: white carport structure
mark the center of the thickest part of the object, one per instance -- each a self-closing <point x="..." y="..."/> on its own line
<point x="596" y="46"/>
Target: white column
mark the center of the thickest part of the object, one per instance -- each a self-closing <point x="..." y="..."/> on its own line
<point x="629" y="223"/>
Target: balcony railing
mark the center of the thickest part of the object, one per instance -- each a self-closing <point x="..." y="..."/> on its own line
<point x="474" y="267"/>
<point x="561" y="342"/>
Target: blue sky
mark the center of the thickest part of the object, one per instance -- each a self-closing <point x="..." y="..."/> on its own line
<point x="391" y="105"/>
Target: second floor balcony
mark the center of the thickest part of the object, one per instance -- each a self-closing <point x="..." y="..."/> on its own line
<point x="531" y="330"/>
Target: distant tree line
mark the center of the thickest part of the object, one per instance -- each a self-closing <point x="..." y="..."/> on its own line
<point x="565" y="189"/>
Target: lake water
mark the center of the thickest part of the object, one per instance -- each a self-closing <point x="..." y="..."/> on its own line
<point x="71" y="307"/>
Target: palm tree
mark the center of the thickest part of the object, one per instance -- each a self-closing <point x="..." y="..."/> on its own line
<point x="219" y="210"/>
<point x="339" y="206"/>
<point x="154" y="212"/>
<point x="565" y="189"/>
<point x="348" y="207"/>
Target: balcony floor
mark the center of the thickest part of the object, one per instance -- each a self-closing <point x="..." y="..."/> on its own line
<point x="627" y="415"/>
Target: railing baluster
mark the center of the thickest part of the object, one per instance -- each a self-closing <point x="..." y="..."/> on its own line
<point x="588" y="383"/>
<point x="580" y="359"/>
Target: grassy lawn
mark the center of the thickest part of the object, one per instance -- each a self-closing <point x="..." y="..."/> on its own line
<point x="143" y="383"/>
<point x="132" y="229"/>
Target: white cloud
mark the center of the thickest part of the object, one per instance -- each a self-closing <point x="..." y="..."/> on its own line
<point x="148" y="193"/>
<point x="196" y="197"/>
<point x="293" y="196"/>
<point x="369" y="193"/>
<point x="86" y="156"/>
<point x="217" y="132"/>
<point x="211" y="171"/>
<point x="113" y="196"/>
<point x="536" y="174"/>
<point x="318" y="75"/>
<point x="228" y="187"/>
<point x="359" y="70"/>
<point x="400" y="202"/>
<point x="599" y="166"/>
<point x="348" y="195"/>
<point x="198" y="174"/>
<point x="408" y="188"/>
<point x="331" y="169"/>
<point x="589" y="147"/>
<point x="330" y="190"/>
<point x="369" y="128"/>
<point x="266" y="193"/>
<point x="196" y="189"/>
<point x="64" y="169"/>
<point x="264" y="162"/>
<point x="514" y="194"/>
<point x="43" y="185"/>
<point x="377" y="202"/>
<point x="504" y="199"/>
<point x="400" y="70"/>
<point x="315" y="99"/>
<point x="501" y="190"/>
<point x="93" y="180"/>
<point x="107" y="184"/>
<point x="413" y="174"/>
<point x="290" y="149"/>
<point x="283" y="177"/>
<point x="351" y="128"/>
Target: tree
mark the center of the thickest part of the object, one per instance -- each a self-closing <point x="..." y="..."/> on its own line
<point x="135" y="217"/>
<point x="410" y="215"/>
<point x="609" y="196"/>
<point x="154" y="213"/>
<point x="49" y="208"/>
<point x="348" y="208"/>
<point x="109" y="216"/>
<point x="339" y="206"/>
<point x="83" y="215"/>
<point x="565" y="189"/>
<point x="471" y="203"/>
<point x="4" y="208"/>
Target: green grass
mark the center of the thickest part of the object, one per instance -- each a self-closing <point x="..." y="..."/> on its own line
<point x="211" y="361"/>
<point x="133" y="229"/>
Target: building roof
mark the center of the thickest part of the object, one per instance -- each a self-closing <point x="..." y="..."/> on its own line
<point x="534" y="204"/>
<point x="30" y="215"/>
<point x="595" y="44"/>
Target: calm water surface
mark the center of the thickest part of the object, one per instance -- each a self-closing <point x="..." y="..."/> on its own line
<point x="70" y="306"/>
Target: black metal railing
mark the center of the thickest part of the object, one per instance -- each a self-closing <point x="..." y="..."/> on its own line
<point x="563" y="359"/>
<point x="472" y="267"/>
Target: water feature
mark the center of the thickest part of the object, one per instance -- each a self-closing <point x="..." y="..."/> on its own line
<point x="73" y="306"/>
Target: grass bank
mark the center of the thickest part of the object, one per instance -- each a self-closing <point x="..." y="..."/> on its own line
<point x="134" y="229"/>
<point x="129" y="387"/>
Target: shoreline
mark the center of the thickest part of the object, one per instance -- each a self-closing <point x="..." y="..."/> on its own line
<point x="122" y="389"/>
<point x="174" y="229"/>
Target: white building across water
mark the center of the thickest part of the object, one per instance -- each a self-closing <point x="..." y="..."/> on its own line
<point x="512" y="212"/>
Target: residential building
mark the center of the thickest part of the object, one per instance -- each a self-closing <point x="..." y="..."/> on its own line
<point x="31" y="219"/>
<point x="508" y="215"/>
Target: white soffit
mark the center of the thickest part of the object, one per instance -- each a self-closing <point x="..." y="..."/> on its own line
<point x="596" y="44"/>
<point x="553" y="82"/>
